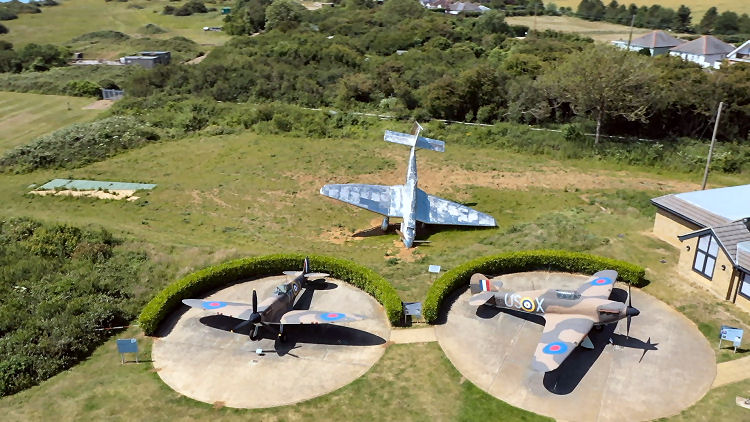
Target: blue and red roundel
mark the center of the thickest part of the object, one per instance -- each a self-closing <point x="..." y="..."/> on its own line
<point x="602" y="281"/>
<point x="555" y="348"/>
<point x="213" y="304"/>
<point x="332" y="316"/>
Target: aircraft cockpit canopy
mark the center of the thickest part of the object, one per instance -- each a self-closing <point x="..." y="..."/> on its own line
<point x="281" y="289"/>
<point x="568" y="294"/>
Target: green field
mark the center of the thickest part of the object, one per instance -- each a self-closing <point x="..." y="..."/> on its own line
<point x="697" y="8"/>
<point x="599" y="31"/>
<point x="73" y="18"/>
<point x="26" y="116"/>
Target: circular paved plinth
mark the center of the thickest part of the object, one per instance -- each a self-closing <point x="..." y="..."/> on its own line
<point x="494" y="350"/>
<point x="199" y="357"/>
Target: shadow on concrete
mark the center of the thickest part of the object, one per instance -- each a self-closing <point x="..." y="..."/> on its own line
<point x="447" y="304"/>
<point x="304" y="300"/>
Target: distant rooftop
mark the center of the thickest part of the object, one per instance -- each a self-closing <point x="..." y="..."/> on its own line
<point x="656" y="39"/>
<point x="732" y="203"/>
<point x="704" y="45"/>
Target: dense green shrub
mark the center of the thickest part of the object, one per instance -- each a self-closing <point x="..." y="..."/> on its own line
<point x="3" y="29"/>
<point x="54" y="80"/>
<point x="101" y="36"/>
<point x="59" y="284"/>
<point x="79" y="144"/>
<point x="82" y="89"/>
<point x="524" y="261"/>
<point x="202" y="281"/>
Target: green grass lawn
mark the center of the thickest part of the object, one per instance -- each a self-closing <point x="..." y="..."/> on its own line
<point x="227" y="196"/>
<point x="76" y="17"/>
<point x="26" y="116"/>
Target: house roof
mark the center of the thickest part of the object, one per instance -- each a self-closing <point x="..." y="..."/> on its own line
<point x="731" y="203"/>
<point x="656" y="39"/>
<point x="705" y="45"/>
<point x="743" y="49"/>
<point x="730" y="236"/>
<point x="689" y="211"/>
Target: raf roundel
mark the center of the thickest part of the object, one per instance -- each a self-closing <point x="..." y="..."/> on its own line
<point x="213" y="304"/>
<point x="527" y="304"/>
<point x="555" y="348"/>
<point x="332" y="316"/>
<point x="602" y="281"/>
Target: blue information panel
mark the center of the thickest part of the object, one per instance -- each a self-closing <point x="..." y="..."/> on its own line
<point x="434" y="269"/>
<point x="127" y="345"/>
<point x="732" y="334"/>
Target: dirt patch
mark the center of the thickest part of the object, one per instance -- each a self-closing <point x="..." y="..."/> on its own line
<point x="196" y="60"/>
<point x="111" y="194"/>
<point x="99" y="105"/>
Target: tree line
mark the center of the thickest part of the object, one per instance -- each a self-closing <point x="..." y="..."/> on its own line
<point x="658" y="17"/>
<point x="400" y="59"/>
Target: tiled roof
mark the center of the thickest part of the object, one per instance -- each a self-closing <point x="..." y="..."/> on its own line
<point x="730" y="236"/>
<point x="656" y="39"/>
<point x="689" y="211"/>
<point x="705" y="45"/>
<point x="743" y="255"/>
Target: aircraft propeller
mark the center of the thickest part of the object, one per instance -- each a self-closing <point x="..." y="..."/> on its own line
<point x="255" y="318"/>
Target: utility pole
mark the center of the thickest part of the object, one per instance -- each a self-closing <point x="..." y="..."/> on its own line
<point x="630" y="36"/>
<point x="711" y="148"/>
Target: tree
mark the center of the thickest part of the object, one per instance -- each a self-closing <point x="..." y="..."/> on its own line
<point x="708" y="21"/>
<point x="682" y="19"/>
<point x="284" y="14"/>
<point x="727" y="23"/>
<point x="603" y="82"/>
<point x="247" y="17"/>
<point x="744" y="23"/>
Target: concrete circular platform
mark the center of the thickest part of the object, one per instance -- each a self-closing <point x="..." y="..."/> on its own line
<point x="198" y="356"/>
<point x="664" y="366"/>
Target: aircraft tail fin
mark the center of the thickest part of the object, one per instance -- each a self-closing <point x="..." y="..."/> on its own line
<point x="414" y="141"/>
<point x="480" y="283"/>
<point x="306" y="266"/>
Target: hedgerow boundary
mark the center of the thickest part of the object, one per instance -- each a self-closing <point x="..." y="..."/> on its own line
<point x="525" y="261"/>
<point x="216" y="276"/>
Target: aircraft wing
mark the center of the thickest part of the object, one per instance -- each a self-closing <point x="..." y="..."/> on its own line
<point x="232" y="309"/>
<point x="562" y="333"/>
<point x="434" y="210"/>
<point x="599" y="285"/>
<point x="318" y="317"/>
<point x="385" y="200"/>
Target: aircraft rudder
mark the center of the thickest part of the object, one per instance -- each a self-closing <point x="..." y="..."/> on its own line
<point x="481" y="283"/>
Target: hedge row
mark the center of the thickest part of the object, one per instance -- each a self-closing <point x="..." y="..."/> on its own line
<point x="209" y="278"/>
<point x="525" y="261"/>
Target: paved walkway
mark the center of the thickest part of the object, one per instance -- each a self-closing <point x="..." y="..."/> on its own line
<point x="732" y="371"/>
<point x="413" y="335"/>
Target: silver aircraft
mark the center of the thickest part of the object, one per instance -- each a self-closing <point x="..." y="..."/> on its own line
<point x="408" y="201"/>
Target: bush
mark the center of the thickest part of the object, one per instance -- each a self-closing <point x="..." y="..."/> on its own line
<point x="79" y="144"/>
<point x="3" y="29"/>
<point x="101" y="36"/>
<point x="525" y="261"/>
<point x="202" y="281"/>
<point x="82" y="89"/>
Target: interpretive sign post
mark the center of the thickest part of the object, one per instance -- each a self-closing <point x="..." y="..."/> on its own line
<point x="127" y="345"/>
<point x="731" y="334"/>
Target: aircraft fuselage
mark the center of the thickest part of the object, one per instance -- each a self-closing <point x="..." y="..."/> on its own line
<point x="409" y="223"/>
<point x="282" y="300"/>
<point x="540" y="302"/>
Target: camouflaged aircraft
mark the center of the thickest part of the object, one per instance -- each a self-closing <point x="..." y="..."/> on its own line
<point x="408" y="201"/>
<point x="277" y="309"/>
<point x="569" y="314"/>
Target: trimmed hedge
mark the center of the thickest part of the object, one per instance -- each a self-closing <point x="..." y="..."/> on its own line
<point x="513" y="262"/>
<point x="216" y="276"/>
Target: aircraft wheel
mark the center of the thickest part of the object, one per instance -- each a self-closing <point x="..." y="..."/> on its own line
<point x="282" y="337"/>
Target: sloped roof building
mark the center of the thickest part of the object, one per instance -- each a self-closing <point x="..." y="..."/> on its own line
<point x="707" y="51"/>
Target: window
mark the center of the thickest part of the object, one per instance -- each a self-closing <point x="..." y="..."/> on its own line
<point x="705" y="256"/>
<point x="745" y="285"/>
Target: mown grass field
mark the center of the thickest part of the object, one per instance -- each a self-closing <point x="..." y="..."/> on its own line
<point x="599" y="31"/>
<point x="73" y="18"/>
<point x="227" y="196"/>
<point x="697" y="8"/>
<point x="26" y="116"/>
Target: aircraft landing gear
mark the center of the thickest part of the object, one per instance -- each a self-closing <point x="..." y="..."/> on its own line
<point x="255" y="334"/>
<point x="384" y="226"/>
<point x="282" y="334"/>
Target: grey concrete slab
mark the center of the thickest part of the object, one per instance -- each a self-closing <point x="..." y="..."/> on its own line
<point x="198" y="356"/>
<point x="494" y="348"/>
